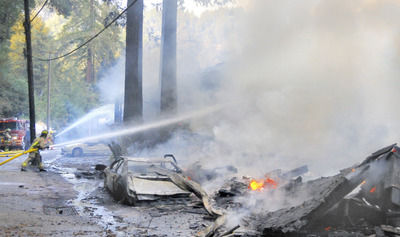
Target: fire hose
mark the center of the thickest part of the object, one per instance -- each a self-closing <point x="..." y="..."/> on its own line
<point x="18" y="155"/>
<point x="10" y="153"/>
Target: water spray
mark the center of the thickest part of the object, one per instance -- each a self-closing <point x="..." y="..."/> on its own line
<point x="144" y="127"/>
<point x="106" y="109"/>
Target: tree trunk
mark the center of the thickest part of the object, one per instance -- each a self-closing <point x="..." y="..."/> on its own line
<point x="133" y="101"/>
<point x="168" y="58"/>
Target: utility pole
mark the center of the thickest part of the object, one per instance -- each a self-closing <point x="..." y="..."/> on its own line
<point x="90" y="70"/>
<point x="168" y="57"/>
<point x="48" y="92"/>
<point x="27" y="26"/>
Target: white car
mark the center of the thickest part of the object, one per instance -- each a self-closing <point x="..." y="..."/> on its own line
<point x="88" y="148"/>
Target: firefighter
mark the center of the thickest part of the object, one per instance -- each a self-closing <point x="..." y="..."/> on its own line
<point x="7" y="139"/>
<point x="35" y="157"/>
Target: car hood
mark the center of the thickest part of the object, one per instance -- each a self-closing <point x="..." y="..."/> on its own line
<point x="142" y="186"/>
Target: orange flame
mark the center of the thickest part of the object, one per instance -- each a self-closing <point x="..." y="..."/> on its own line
<point x="328" y="228"/>
<point x="258" y="185"/>
<point x="271" y="182"/>
<point x="372" y="190"/>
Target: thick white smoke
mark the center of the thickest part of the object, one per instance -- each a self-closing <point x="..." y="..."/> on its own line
<point x="313" y="83"/>
<point x="304" y="82"/>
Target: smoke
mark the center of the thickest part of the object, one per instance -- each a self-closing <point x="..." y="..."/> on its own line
<point x="111" y="83"/>
<point x="310" y="82"/>
<point x="313" y="83"/>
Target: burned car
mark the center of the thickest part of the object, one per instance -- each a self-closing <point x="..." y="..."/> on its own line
<point x="130" y="180"/>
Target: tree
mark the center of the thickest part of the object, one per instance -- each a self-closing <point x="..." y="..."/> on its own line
<point x="17" y="63"/>
<point x="168" y="57"/>
<point x="85" y="20"/>
<point x="9" y="13"/>
<point x="133" y="102"/>
<point x="72" y="95"/>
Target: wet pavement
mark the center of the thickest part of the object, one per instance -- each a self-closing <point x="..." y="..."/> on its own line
<point x="70" y="200"/>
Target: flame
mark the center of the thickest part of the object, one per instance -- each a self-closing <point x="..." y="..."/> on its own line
<point x="363" y="182"/>
<point x="328" y="228"/>
<point x="271" y="182"/>
<point x="372" y="189"/>
<point x="258" y="185"/>
<point x="353" y="170"/>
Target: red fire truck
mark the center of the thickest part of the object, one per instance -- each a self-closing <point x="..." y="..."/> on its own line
<point x="19" y="133"/>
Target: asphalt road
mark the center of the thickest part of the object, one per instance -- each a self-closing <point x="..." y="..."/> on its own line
<point x="70" y="200"/>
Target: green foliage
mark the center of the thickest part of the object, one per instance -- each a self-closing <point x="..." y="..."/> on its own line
<point x="85" y="21"/>
<point x="9" y="90"/>
<point x="71" y="94"/>
<point x="63" y="7"/>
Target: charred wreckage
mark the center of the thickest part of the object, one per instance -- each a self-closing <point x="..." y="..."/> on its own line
<point x="362" y="200"/>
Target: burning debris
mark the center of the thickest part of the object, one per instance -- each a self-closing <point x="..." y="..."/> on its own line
<point x="361" y="200"/>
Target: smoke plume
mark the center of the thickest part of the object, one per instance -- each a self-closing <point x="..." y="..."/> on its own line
<point x="313" y="82"/>
<point x="303" y="82"/>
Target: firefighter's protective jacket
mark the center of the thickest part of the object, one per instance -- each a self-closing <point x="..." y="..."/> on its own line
<point x="39" y="143"/>
<point x="7" y="136"/>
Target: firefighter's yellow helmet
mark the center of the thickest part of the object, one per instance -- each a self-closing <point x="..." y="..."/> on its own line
<point x="44" y="133"/>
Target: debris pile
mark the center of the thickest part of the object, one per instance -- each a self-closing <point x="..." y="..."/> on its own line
<point x="361" y="200"/>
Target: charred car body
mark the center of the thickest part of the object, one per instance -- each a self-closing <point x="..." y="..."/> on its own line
<point x="130" y="180"/>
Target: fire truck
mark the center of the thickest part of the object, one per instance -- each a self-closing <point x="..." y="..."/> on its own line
<point x="20" y="138"/>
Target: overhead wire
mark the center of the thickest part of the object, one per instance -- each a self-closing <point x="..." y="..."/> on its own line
<point x="90" y="39"/>
<point x="37" y="13"/>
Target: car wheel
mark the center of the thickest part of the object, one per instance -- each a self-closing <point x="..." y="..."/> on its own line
<point x="77" y="152"/>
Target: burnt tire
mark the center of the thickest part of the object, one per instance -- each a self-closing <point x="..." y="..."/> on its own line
<point x="76" y="152"/>
<point x="119" y="192"/>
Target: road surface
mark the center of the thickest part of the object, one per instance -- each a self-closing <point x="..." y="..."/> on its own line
<point x="70" y="200"/>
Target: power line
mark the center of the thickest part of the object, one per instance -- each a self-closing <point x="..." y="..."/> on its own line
<point x="92" y="38"/>
<point x="37" y="13"/>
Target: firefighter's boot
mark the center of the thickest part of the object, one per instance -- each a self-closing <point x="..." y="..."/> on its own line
<point x="23" y="166"/>
<point x="41" y="167"/>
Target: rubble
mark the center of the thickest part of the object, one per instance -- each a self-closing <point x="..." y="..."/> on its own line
<point x="361" y="200"/>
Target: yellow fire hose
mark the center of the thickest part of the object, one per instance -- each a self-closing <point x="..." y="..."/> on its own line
<point x="18" y="155"/>
<point x="11" y="152"/>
